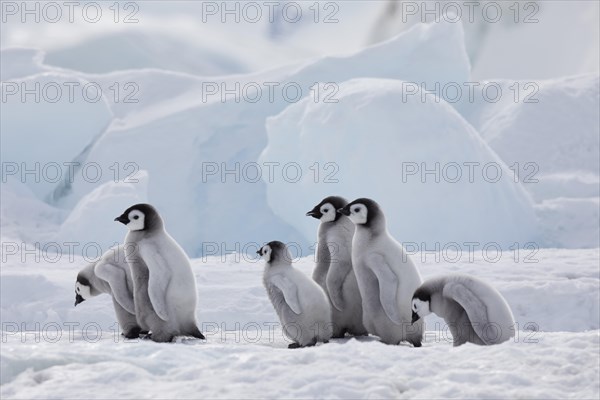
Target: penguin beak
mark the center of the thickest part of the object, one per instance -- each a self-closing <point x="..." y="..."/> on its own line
<point x="122" y="219"/>
<point x="78" y="299"/>
<point x="415" y="317"/>
<point x="344" y="211"/>
<point x="259" y="252"/>
<point x="315" y="213"/>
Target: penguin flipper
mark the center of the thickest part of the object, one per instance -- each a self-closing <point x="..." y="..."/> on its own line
<point x="158" y="280"/>
<point x="476" y="310"/>
<point x="290" y="292"/>
<point x="335" y="284"/>
<point x="388" y="286"/>
<point x="116" y="277"/>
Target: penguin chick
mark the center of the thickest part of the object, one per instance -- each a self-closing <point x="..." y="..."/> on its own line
<point x="474" y="311"/>
<point x="387" y="277"/>
<point x="300" y="303"/>
<point x="164" y="286"/>
<point x="333" y="270"/>
<point x="110" y="274"/>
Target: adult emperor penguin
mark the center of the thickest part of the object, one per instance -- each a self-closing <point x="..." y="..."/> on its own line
<point x="300" y="303"/>
<point x="333" y="269"/>
<point x="386" y="276"/>
<point x="164" y="287"/>
<point x="110" y="274"/>
<point x="473" y="310"/>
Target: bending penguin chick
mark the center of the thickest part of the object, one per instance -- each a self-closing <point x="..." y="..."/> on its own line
<point x="164" y="286"/>
<point x="474" y="311"/>
<point x="333" y="270"/>
<point x="110" y="274"/>
<point x="387" y="278"/>
<point x="300" y="303"/>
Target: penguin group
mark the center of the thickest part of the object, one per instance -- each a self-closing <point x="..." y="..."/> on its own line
<point x="363" y="283"/>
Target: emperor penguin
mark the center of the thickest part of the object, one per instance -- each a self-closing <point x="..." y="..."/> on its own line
<point x="300" y="303"/>
<point x="164" y="287"/>
<point x="110" y="274"/>
<point x="474" y="311"/>
<point x="387" y="277"/>
<point x="333" y="270"/>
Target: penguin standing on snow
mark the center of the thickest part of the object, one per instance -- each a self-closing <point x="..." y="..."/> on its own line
<point x="163" y="282"/>
<point x="474" y="311"/>
<point x="110" y="274"/>
<point x="387" y="278"/>
<point x="333" y="270"/>
<point x="300" y="303"/>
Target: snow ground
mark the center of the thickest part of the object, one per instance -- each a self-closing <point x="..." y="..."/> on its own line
<point x="561" y="365"/>
<point x="245" y="354"/>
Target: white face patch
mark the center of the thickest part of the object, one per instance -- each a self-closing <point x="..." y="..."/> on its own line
<point x="328" y="212"/>
<point x="83" y="290"/>
<point x="358" y="213"/>
<point x="421" y="307"/>
<point x="136" y="220"/>
<point x="266" y="252"/>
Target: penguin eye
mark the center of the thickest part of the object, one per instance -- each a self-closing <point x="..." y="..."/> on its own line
<point x="356" y="210"/>
<point x="325" y="210"/>
<point x="136" y="216"/>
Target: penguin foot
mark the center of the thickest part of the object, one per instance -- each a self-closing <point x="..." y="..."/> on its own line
<point x="416" y="343"/>
<point x="132" y="333"/>
<point x="294" y="346"/>
<point x="161" y="338"/>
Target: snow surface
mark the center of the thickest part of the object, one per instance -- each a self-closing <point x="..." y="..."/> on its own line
<point x="556" y="353"/>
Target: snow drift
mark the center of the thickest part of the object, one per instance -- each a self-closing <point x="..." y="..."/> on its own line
<point x="179" y="128"/>
<point x="381" y="144"/>
<point x="549" y="136"/>
<point x="200" y="148"/>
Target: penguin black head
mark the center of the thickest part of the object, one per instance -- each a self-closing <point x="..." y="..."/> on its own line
<point x="275" y="251"/>
<point x="140" y="217"/>
<point x="326" y="210"/>
<point x="83" y="289"/>
<point x="363" y="211"/>
<point x="420" y="304"/>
